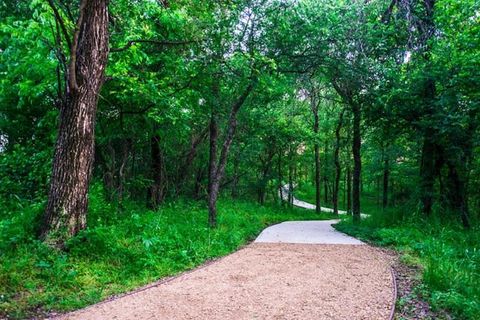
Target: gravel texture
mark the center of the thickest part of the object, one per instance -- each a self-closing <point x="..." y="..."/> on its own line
<point x="267" y="281"/>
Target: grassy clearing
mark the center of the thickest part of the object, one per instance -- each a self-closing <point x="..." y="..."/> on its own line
<point x="121" y="250"/>
<point x="448" y="255"/>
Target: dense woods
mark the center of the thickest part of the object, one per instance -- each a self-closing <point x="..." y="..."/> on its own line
<point x="114" y="114"/>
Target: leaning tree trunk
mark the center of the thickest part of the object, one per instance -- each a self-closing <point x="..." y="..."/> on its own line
<point x="66" y="210"/>
<point x="357" y="162"/>
<point x="217" y="170"/>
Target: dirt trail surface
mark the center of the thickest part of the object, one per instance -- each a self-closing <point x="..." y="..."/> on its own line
<point x="267" y="281"/>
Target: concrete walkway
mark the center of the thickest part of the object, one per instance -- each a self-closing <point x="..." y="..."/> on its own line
<point x="313" y="232"/>
<point x="305" y="205"/>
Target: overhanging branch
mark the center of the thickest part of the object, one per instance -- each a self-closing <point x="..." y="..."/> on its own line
<point x="155" y="42"/>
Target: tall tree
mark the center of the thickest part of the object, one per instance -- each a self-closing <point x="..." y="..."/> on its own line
<point x="66" y="210"/>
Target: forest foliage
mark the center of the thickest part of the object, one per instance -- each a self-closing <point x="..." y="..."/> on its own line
<point x="122" y="123"/>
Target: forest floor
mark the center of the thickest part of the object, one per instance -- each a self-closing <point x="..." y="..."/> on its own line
<point x="276" y="277"/>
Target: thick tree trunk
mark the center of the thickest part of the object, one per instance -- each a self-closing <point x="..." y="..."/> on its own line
<point x="66" y="211"/>
<point x="338" y="168"/>
<point x="357" y="162"/>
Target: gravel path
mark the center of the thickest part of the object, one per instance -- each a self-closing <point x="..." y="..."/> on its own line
<point x="267" y="281"/>
<point x="294" y="270"/>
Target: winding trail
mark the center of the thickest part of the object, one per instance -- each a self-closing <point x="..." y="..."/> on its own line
<point x="293" y="270"/>
<point x="306" y="205"/>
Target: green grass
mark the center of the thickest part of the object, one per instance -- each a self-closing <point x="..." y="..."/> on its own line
<point x="448" y="255"/>
<point x="121" y="250"/>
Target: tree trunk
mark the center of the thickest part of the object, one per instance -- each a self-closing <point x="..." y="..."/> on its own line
<point x="290" y="177"/>
<point x="213" y="185"/>
<point x="236" y="177"/>
<point x="349" y="190"/>
<point x="325" y="173"/>
<point x="338" y="169"/>
<point x="386" y="177"/>
<point x="280" y="177"/>
<point x="317" y="154"/>
<point x="157" y="188"/>
<point x="197" y="188"/>
<point x="66" y="211"/>
<point x="216" y="171"/>
<point x="357" y="162"/>
<point x="427" y="175"/>
<point x="185" y="168"/>
<point x="457" y="192"/>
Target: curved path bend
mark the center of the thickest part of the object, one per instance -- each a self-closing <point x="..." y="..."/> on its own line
<point x="305" y="205"/>
<point x="294" y="270"/>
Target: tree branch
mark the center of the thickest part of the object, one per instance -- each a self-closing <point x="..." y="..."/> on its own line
<point x="58" y="17"/>
<point x="73" y="52"/>
<point x="156" y="42"/>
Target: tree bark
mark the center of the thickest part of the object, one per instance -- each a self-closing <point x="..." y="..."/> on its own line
<point x="357" y="162"/>
<point x="427" y="175"/>
<point x="386" y="177"/>
<point x="338" y="168"/>
<point x="66" y="211"/>
<point x="280" y="177"/>
<point x="236" y="176"/>
<point x="349" y="190"/>
<point x="213" y="185"/>
<point x="314" y="106"/>
<point x="192" y="153"/>
<point x="217" y="170"/>
<point x="325" y="173"/>
<point x="290" y="176"/>
<point x="158" y="185"/>
<point x="457" y="198"/>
